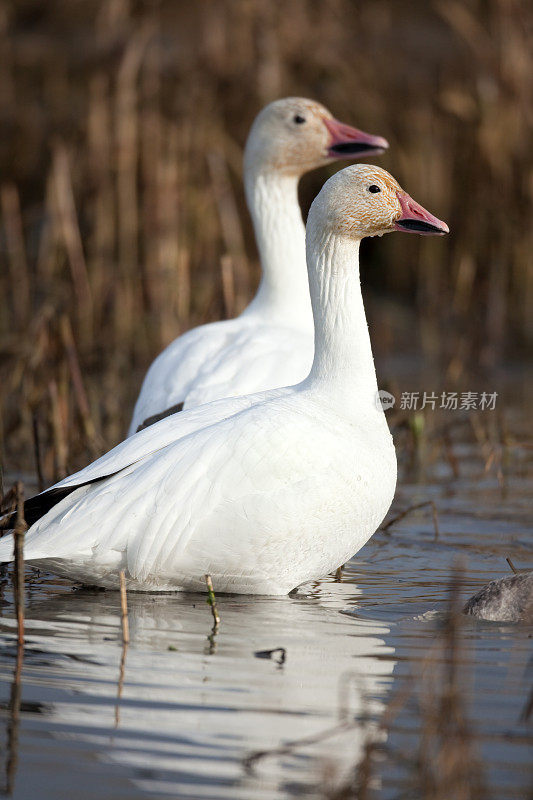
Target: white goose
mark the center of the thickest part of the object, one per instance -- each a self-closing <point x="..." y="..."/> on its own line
<point x="264" y="491"/>
<point x="271" y="343"/>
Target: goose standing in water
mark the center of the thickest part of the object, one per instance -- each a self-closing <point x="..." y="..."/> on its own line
<point x="264" y="491"/>
<point x="271" y="343"/>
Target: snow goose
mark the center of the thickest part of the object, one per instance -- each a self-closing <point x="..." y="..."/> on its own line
<point x="271" y="343"/>
<point x="264" y="491"/>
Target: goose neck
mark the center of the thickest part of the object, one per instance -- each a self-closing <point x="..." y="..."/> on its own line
<point x="283" y="293"/>
<point x="343" y="365"/>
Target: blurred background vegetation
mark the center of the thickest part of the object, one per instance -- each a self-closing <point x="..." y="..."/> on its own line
<point x="123" y="214"/>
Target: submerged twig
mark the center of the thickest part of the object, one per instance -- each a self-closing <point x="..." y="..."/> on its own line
<point x="124" y="607"/>
<point x="288" y="748"/>
<point x="407" y="511"/>
<point x="18" y="537"/>
<point x="511" y="565"/>
<point x="211" y="599"/>
<point x="345" y="723"/>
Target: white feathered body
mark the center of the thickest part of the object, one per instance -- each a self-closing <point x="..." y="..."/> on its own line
<point x="224" y="359"/>
<point x="275" y="494"/>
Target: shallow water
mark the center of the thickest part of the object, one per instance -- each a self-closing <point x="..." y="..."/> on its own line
<point x="182" y="711"/>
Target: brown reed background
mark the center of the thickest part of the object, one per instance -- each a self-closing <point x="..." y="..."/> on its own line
<point x="123" y="215"/>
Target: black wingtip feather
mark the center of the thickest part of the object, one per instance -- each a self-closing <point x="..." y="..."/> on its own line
<point x="39" y="505"/>
<point x="36" y="507"/>
<point x="162" y="415"/>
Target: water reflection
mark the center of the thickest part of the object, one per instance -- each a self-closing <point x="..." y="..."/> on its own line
<point x="178" y="713"/>
<point x="181" y="709"/>
<point x="12" y="725"/>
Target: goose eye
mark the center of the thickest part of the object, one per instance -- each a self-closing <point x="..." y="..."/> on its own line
<point x="374" y="188"/>
<point x="298" y="119"/>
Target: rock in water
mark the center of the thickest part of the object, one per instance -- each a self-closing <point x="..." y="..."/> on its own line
<point x="505" y="600"/>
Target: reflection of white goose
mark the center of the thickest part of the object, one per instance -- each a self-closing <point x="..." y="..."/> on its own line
<point x="188" y="719"/>
<point x="266" y="491"/>
<point x="271" y="343"/>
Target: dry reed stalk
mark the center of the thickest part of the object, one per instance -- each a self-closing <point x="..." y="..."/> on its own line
<point x="450" y="454"/>
<point x="101" y="241"/>
<point x="70" y="231"/>
<point x="127" y="159"/>
<point x="469" y="108"/>
<point x="169" y="238"/>
<point x="93" y="440"/>
<point x="18" y="539"/>
<point x="184" y="140"/>
<point x="482" y="438"/>
<point x="230" y="223"/>
<point x="44" y="264"/>
<point x="16" y="249"/>
<point x="8" y="505"/>
<point x="124" y="608"/>
<point x="514" y="569"/>
<point x="64" y="405"/>
<point x="60" y="443"/>
<point x="37" y="451"/>
<point x="183" y="284"/>
<point x="211" y="599"/>
<point x="228" y="285"/>
<point x="270" y="67"/>
<point x="7" y="72"/>
<point x="466" y="273"/>
<point x="150" y="125"/>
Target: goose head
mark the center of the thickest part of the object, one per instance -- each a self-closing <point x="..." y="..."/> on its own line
<point x="364" y="200"/>
<point x="295" y="135"/>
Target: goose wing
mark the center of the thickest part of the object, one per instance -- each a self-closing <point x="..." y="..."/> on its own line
<point x="174" y="370"/>
<point x="225" y="359"/>
<point x="134" y="449"/>
<point x="206" y="486"/>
